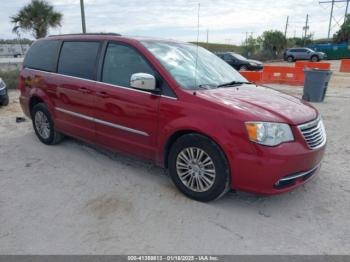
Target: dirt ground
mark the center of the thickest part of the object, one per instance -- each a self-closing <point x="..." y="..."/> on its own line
<point x="76" y="199"/>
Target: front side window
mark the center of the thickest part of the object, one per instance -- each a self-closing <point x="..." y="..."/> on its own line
<point x="121" y="62"/>
<point x="78" y="59"/>
<point x="239" y="57"/>
<point x="193" y="67"/>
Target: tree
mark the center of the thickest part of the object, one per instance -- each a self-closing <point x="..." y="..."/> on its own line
<point x="300" y="42"/>
<point x="36" y="17"/>
<point x="250" y="46"/>
<point x="343" y="35"/>
<point x="274" y="42"/>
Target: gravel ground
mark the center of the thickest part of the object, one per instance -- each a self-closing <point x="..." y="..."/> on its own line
<point x="76" y="199"/>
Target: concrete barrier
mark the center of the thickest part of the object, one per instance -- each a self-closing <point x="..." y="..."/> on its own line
<point x="313" y="65"/>
<point x="345" y="66"/>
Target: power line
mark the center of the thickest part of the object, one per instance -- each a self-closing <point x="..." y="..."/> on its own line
<point x="331" y="14"/>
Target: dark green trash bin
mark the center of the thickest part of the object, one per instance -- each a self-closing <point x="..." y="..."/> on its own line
<point x="316" y="83"/>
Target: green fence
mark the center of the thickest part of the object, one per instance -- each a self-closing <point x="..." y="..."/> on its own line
<point x="333" y="51"/>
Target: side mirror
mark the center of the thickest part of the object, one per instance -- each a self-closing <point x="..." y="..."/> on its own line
<point x="143" y="81"/>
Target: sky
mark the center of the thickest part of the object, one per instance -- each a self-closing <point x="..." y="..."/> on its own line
<point x="226" y="21"/>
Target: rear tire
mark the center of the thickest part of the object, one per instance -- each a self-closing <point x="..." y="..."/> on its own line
<point x="6" y="101"/>
<point x="44" y="126"/>
<point x="290" y="59"/>
<point x="199" y="168"/>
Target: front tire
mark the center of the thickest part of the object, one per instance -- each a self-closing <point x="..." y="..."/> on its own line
<point x="314" y="58"/>
<point x="5" y="101"/>
<point x="44" y="126"/>
<point x="199" y="168"/>
<point x="243" y="68"/>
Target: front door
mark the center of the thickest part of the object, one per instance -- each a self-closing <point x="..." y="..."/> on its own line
<point x="126" y="119"/>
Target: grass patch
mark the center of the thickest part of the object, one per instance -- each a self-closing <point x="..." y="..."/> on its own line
<point x="10" y="78"/>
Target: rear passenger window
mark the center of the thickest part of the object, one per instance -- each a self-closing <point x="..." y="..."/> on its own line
<point x="227" y="57"/>
<point x="42" y="55"/>
<point x="78" y="59"/>
<point x="121" y="62"/>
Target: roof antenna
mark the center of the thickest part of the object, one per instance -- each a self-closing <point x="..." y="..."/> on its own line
<point x="195" y="72"/>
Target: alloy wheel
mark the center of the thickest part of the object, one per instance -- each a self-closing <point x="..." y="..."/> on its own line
<point x="42" y="124"/>
<point x="195" y="169"/>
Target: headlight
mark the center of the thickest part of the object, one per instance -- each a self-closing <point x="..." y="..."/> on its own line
<point x="2" y="84"/>
<point x="269" y="134"/>
<point x="253" y="64"/>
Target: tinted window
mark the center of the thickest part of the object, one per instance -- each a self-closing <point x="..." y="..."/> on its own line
<point x="78" y="59"/>
<point x="42" y="55"/>
<point x="121" y="62"/>
<point x="228" y="57"/>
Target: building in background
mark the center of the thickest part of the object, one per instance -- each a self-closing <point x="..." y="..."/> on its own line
<point x="13" y="50"/>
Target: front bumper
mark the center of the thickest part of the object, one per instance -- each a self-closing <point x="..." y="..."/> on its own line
<point x="3" y="92"/>
<point x="266" y="170"/>
<point x="255" y="68"/>
<point x="3" y="95"/>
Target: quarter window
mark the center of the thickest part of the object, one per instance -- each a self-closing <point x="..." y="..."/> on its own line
<point x="42" y="55"/>
<point x="78" y="59"/>
<point x="121" y="62"/>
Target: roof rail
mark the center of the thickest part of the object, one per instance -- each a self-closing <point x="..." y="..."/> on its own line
<point x="116" y="34"/>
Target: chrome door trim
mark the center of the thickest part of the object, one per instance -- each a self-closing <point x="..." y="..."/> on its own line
<point x="99" y="121"/>
<point x="98" y="82"/>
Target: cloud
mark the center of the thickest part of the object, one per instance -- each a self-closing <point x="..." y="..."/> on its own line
<point x="226" y="20"/>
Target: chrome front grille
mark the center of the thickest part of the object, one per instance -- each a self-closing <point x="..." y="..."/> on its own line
<point x="314" y="133"/>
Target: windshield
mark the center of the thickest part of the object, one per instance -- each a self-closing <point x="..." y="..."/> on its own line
<point x="239" y="57"/>
<point x="190" y="70"/>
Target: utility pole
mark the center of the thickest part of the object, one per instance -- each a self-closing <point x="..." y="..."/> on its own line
<point x="306" y="27"/>
<point x="82" y="16"/>
<point x="330" y="20"/>
<point x="331" y="14"/>
<point x="285" y="31"/>
<point x="207" y="36"/>
<point x="247" y="36"/>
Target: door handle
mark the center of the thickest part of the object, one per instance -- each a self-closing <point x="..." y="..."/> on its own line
<point x="84" y="90"/>
<point x="102" y="94"/>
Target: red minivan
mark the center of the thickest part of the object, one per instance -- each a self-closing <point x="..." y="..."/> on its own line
<point x="175" y="104"/>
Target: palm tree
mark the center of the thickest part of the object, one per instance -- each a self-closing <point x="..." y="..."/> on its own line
<point x="37" y="17"/>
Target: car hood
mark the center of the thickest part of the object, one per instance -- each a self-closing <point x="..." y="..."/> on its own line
<point x="262" y="104"/>
<point x="254" y="61"/>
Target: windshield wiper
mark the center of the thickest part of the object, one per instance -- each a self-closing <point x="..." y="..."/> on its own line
<point x="234" y="83"/>
<point x="206" y="86"/>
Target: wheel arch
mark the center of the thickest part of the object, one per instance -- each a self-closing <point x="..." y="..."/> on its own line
<point x="39" y="96"/>
<point x="34" y="100"/>
<point x="179" y="133"/>
<point x="291" y="57"/>
<point x="315" y="55"/>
